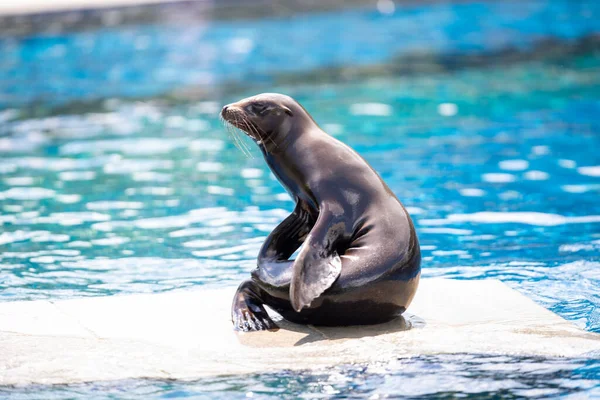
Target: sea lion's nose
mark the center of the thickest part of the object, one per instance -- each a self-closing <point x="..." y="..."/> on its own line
<point x="224" y="110"/>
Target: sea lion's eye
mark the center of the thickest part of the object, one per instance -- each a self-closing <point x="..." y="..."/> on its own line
<point x="259" y="108"/>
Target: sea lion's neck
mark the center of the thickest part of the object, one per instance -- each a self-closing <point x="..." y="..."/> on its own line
<point x="286" y="159"/>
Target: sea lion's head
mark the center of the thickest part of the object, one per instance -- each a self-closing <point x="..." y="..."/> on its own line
<point x="266" y="118"/>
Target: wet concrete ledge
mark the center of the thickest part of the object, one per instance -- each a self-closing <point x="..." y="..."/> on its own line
<point x="188" y="335"/>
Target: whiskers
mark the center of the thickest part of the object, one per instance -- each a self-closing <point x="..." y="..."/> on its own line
<point x="256" y="133"/>
<point x="240" y="120"/>
<point x="234" y="133"/>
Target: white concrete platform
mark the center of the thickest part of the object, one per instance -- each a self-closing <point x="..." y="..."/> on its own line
<point x="188" y="334"/>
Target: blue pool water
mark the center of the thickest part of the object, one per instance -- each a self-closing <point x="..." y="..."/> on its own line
<point x="499" y="167"/>
<point x="98" y="63"/>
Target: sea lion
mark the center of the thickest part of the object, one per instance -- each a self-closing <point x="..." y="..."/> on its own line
<point x="360" y="260"/>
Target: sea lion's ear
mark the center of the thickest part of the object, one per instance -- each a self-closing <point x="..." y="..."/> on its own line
<point x="287" y="111"/>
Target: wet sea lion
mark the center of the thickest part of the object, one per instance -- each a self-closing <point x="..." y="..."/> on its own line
<point x="360" y="260"/>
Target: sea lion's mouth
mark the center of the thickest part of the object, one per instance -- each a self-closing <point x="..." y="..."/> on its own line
<point x="237" y="119"/>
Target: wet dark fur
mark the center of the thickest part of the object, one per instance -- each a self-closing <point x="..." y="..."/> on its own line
<point x="360" y="263"/>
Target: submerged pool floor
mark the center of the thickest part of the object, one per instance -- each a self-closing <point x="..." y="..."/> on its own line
<point x="499" y="167"/>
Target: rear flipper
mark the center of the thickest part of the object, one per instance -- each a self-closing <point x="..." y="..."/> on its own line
<point x="247" y="311"/>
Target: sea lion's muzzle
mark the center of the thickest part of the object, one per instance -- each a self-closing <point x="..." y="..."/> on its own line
<point x="237" y="117"/>
<point x="232" y="114"/>
<point x="228" y="111"/>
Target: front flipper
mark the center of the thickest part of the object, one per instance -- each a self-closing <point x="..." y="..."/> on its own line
<point x="318" y="265"/>
<point x="277" y="274"/>
<point x="248" y="312"/>
<point x="274" y="268"/>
